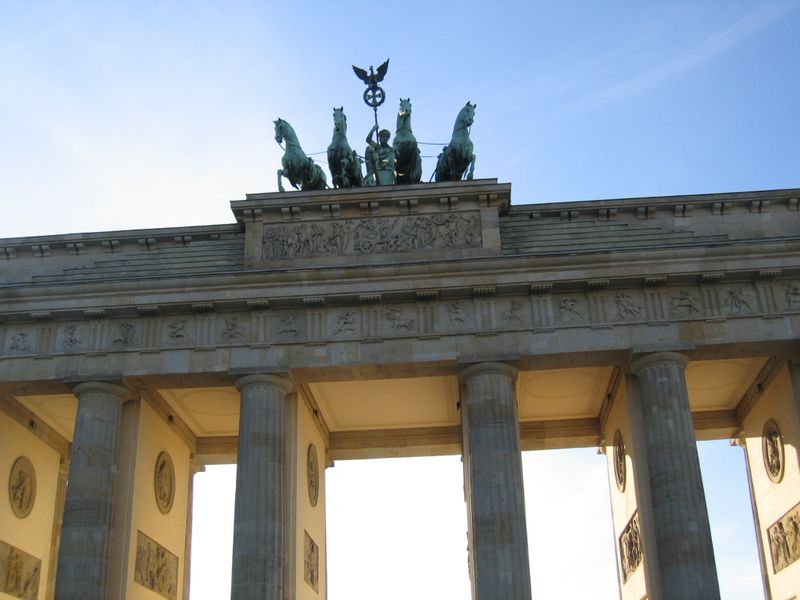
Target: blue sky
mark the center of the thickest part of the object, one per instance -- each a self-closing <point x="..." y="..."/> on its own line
<point x="123" y="115"/>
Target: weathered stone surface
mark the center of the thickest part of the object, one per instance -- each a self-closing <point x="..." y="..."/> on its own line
<point x="682" y="533"/>
<point x="260" y="530"/>
<point x="85" y="552"/>
<point x="493" y="480"/>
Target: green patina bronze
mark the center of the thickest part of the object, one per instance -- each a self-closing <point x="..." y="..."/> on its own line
<point x="301" y="171"/>
<point x="457" y="155"/>
<point x="398" y="163"/>
<point x="406" y="150"/>
<point x="380" y="159"/>
<point x="343" y="162"/>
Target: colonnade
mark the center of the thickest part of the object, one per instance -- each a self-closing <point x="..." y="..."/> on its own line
<point x="677" y="533"/>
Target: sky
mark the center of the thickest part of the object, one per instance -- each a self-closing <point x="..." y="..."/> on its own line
<point x="125" y="115"/>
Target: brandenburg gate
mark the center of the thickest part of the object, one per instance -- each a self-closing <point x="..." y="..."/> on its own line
<point x="412" y="320"/>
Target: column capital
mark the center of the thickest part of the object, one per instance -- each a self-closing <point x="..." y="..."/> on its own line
<point x="117" y="391"/>
<point x="278" y="380"/>
<point x="487" y="368"/>
<point x="647" y="360"/>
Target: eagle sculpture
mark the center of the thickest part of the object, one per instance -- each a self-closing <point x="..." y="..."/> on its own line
<point x="372" y="78"/>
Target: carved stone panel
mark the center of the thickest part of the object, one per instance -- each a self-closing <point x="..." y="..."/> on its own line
<point x="620" y="467"/>
<point x="22" y="487"/>
<point x="19" y="573"/>
<point x="164" y="482"/>
<point x="19" y="341"/>
<point x="312" y="474"/>
<point x="371" y="236"/>
<point x="156" y="567"/>
<point x="311" y="562"/>
<point x="571" y="309"/>
<point x="630" y="548"/>
<point x="772" y="451"/>
<point x="784" y="539"/>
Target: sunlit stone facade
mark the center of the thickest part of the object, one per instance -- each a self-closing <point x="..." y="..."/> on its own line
<point x="399" y="321"/>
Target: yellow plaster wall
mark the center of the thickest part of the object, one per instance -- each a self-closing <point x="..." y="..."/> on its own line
<point x="773" y="500"/>
<point x="169" y="529"/>
<point x="311" y="519"/>
<point x="33" y="533"/>
<point x="623" y="504"/>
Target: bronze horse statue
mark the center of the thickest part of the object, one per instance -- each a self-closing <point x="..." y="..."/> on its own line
<point x="301" y="171"/>
<point x="408" y="162"/>
<point x="343" y="162"/>
<point x="457" y="155"/>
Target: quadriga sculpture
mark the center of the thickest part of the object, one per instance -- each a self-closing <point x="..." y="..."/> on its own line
<point x="407" y="158"/>
<point x="458" y="155"/>
<point x="343" y="162"/>
<point x="301" y="171"/>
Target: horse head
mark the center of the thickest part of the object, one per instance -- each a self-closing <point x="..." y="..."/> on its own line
<point x="339" y="120"/>
<point x="404" y="112"/>
<point x="467" y="115"/>
<point x="279" y="130"/>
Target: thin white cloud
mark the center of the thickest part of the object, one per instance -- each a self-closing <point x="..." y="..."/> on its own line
<point x="712" y="47"/>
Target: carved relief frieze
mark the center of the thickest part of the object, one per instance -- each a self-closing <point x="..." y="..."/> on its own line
<point x="620" y="462"/>
<point x="232" y="329"/>
<point x="72" y="338"/>
<point x="772" y="451"/>
<point x="630" y="548"/>
<point x="428" y="317"/>
<point x="784" y="540"/>
<point x="514" y="315"/>
<point x="792" y="296"/>
<point x="399" y="320"/>
<point x="685" y="303"/>
<point x="177" y="331"/>
<point x="124" y="335"/>
<point x="312" y="474"/>
<point x="459" y="315"/>
<point x="19" y="573"/>
<point x="22" y="487"/>
<point x="628" y="307"/>
<point x="739" y="300"/>
<point x="371" y="236"/>
<point x="156" y="567"/>
<point x="311" y="562"/>
<point x="570" y="309"/>
<point x="164" y="482"/>
<point x="19" y="342"/>
<point x="344" y="324"/>
<point x="288" y="326"/>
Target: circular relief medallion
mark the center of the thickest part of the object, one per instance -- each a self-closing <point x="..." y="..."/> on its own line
<point x="312" y="473"/>
<point x="619" y="461"/>
<point x="164" y="482"/>
<point x="22" y="487"/>
<point x="772" y="450"/>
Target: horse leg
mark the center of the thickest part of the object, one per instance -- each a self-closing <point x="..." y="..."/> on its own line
<point x="471" y="167"/>
<point x="280" y="183"/>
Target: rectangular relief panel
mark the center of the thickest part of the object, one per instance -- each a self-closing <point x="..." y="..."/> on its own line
<point x="19" y="573"/>
<point x="156" y="567"/>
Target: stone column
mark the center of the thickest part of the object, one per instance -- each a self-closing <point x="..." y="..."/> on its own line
<point x="84" y="558"/>
<point x="498" y="536"/>
<point x="194" y="468"/>
<point x="261" y="562"/>
<point x="683" y="549"/>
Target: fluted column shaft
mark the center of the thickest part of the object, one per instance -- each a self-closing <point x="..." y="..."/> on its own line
<point x="686" y="565"/>
<point x="493" y="481"/>
<point x="260" y="530"/>
<point x="84" y="557"/>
